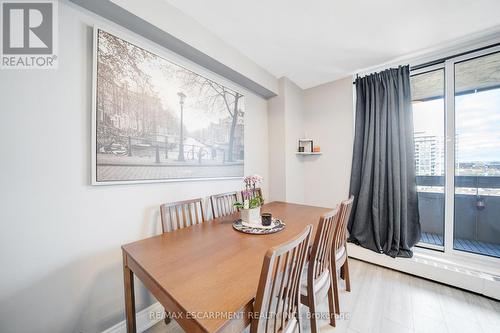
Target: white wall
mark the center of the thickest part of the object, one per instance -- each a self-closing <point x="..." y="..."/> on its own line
<point x="329" y="121"/>
<point x="286" y="126"/>
<point x="277" y="155"/>
<point x="294" y="130"/>
<point x="60" y="237"/>
<point x="325" y="114"/>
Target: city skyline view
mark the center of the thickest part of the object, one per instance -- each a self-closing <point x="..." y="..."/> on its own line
<point x="477" y="128"/>
<point x="477" y="124"/>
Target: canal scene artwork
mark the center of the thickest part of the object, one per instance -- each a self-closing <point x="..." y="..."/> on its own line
<point x="158" y="121"/>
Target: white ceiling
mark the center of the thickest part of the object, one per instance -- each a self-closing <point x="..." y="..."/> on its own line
<point x="317" y="41"/>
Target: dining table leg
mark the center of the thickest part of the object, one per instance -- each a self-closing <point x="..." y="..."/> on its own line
<point x="128" y="285"/>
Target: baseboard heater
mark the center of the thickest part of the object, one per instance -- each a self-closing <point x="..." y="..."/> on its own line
<point x="433" y="268"/>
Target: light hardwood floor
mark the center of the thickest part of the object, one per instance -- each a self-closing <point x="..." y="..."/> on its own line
<point x="386" y="301"/>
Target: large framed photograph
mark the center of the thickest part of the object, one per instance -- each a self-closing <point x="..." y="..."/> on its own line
<point x="155" y="120"/>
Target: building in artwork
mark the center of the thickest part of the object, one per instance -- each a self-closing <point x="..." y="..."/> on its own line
<point x="217" y="136"/>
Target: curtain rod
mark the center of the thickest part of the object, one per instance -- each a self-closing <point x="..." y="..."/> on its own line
<point x="440" y="60"/>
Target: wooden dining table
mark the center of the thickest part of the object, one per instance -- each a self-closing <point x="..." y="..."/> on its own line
<point x="206" y="276"/>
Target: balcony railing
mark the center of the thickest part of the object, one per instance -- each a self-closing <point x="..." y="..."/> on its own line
<point x="477" y="212"/>
<point x="461" y="181"/>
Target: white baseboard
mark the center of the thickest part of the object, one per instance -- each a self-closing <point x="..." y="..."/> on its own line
<point x="144" y="320"/>
<point x="434" y="268"/>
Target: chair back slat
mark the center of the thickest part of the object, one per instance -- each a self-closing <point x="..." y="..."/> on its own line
<point x="277" y="302"/>
<point x="181" y="214"/>
<point x="341" y="229"/>
<point x="319" y="261"/>
<point x="197" y="216"/>
<point x="190" y="211"/>
<point x="257" y="191"/>
<point x="177" y="221"/>
<point x="223" y="204"/>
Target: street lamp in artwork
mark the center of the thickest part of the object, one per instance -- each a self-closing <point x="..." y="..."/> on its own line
<point x="182" y="97"/>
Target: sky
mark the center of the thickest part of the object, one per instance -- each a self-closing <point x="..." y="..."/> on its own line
<point x="478" y="126"/>
<point x="477" y="123"/>
<point x="168" y="87"/>
<point x="167" y="84"/>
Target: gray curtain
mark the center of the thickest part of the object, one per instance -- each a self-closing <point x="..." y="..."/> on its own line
<point x="385" y="212"/>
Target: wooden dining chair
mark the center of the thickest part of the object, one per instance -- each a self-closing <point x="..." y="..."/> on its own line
<point x="339" y="254"/>
<point x="277" y="304"/>
<point x="316" y="280"/>
<point x="223" y="204"/>
<point x="178" y="215"/>
<point x="181" y="214"/>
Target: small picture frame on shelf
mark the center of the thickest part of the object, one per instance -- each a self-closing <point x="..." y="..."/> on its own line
<point x="305" y="146"/>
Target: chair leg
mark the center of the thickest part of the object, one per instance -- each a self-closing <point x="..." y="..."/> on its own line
<point x="312" y="310"/>
<point x="346" y="273"/>
<point x="167" y="319"/>
<point x="335" y="289"/>
<point x="342" y="272"/>
<point x="299" y="319"/>
<point x="331" y="304"/>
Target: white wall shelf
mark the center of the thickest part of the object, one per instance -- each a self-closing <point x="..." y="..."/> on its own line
<point x="307" y="153"/>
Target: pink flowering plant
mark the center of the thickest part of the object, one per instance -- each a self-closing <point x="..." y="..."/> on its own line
<point x="251" y="199"/>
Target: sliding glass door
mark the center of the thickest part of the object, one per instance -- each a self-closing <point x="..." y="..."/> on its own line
<point x="428" y="121"/>
<point x="456" y="106"/>
<point x="477" y="155"/>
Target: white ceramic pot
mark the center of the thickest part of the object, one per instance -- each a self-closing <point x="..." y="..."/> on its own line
<point x="251" y="216"/>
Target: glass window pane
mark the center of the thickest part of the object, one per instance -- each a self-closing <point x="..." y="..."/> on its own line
<point x="477" y="155"/>
<point x="428" y="121"/>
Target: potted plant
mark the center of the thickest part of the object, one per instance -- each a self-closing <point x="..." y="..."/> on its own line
<point x="250" y="207"/>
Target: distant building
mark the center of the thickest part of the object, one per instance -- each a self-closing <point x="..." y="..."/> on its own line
<point x="429" y="155"/>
